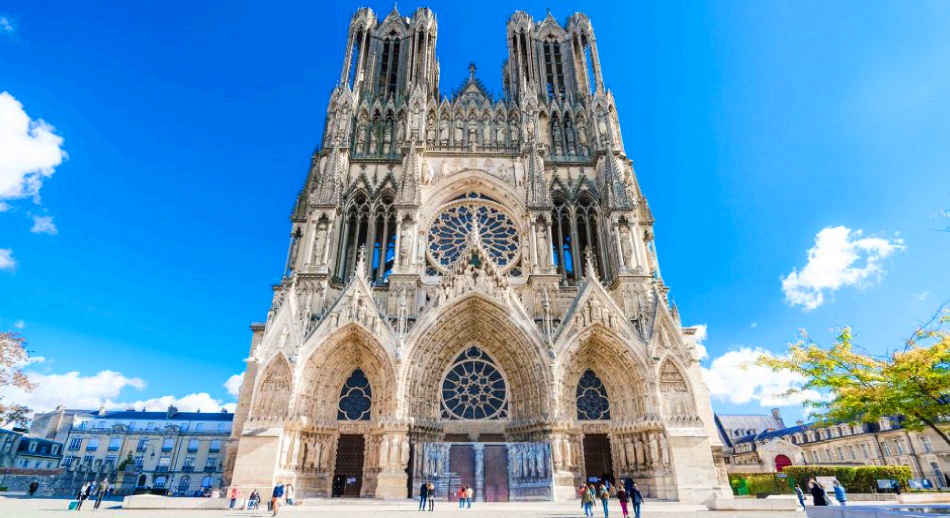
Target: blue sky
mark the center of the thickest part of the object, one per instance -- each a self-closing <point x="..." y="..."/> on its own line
<point x="754" y="126"/>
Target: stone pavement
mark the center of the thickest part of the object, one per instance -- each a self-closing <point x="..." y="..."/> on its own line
<point x="41" y="508"/>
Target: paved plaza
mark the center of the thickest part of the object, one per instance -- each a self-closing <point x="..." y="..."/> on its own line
<point x="39" y="508"/>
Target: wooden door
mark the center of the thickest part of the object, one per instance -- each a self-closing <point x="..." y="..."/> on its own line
<point x="496" y="473"/>
<point x="348" y="472"/>
<point x="598" y="464"/>
<point x="462" y="464"/>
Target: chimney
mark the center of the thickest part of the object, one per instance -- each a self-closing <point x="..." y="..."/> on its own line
<point x="777" y="415"/>
<point x="799" y="422"/>
<point x="172" y="410"/>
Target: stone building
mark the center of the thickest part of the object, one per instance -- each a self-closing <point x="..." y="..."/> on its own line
<point x="472" y="293"/>
<point x="885" y="443"/>
<point x="178" y="452"/>
<point x="20" y="450"/>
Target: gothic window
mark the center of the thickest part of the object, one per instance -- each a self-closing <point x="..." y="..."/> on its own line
<point x="592" y="402"/>
<point x="373" y="225"/>
<point x="355" y="57"/>
<point x="449" y="233"/>
<point x="474" y="389"/>
<point x="356" y="398"/>
<point x="553" y="68"/>
<point x="575" y="231"/>
<point x="389" y="66"/>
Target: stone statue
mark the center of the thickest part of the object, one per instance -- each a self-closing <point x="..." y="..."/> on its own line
<point x="556" y="135"/>
<point x="544" y="251"/>
<point x="443" y="132"/>
<point x="384" y="453"/>
<point x="387" y="136"/>
<point x="459" y="135"/>
<point x="320" y="243"/>
<point x="602" y="127"/>
<point x="405" y="246"/>
<point x="430" y="131"/>
<point x="486" y="131"/>
<point x="472" y="132"/>
<point x="626" y="246"/>
<point x="400" y="132"/>
<point x="361" y="136"/>
<point x="515" y="133"/>
<point x="373" y="139"/>
<point x="569" y="137"/>
<point x="531" y="130"/>
<point x="582" y="136"/>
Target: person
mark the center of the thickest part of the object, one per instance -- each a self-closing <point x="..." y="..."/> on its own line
<point x="101" y="491"/>
<point x="636" y="498"/>
<point x="461" y="496"/>
<point x="233" y="495"/>
<point x="33" y="487"/>
<point x="431" y="496"/>
<point x="587" y="501"/>
<point x="289" y="494"/>
<point x="83" y="494"/>
<point x="469" y="493"/>
<point x="840" y="495"/>
<point x="628" y="485"/>
<point x="604" y="494"/>
<point x="800" y="494"/>
<point x="622" y="498"/>
<point x="253" y="501"/>
<point x="817" y="493"/>
<point x="423" y="496"/>
<point x="275" y="498"/>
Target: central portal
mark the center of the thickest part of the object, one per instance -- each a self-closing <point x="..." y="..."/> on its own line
<point x="497" y="472"/>
<point x="348" y="473"/>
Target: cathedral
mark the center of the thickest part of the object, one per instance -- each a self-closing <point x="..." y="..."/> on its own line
<point x="472" y="294"/>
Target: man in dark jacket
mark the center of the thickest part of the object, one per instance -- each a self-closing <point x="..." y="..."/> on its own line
<point x="636" y="498"/>
<point x="818" y="495"/>
<point x="275" y="497"/>
<point x="423" y="495"/>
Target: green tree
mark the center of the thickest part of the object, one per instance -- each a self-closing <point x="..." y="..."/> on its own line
<point x="13" y="356"/>
<point x="912" y="382"/>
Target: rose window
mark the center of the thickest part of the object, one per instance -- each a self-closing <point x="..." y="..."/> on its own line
<point x="452" y="226"/>
<point x="474" y="389"/>
<point x="592" y="402"/>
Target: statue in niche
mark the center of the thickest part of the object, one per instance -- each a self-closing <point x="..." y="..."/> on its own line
<point x="569" y="137"/>
<point x="405" y="245"/>
<point x="320" y="243"/>
<point x="515" y="133"/>
<point x="361" y="135"/>
<point x="544" y="252"/>
<point x="387" y="136"/>
<point x="374" y="138"/>
<point x="486" y="131"/>
<point x="430" y="130"/>
<point x="443" y="132"/>
<point x="331" y="120"/>
<point x="582" y="136"/>
<point x="500" y="132"/>
<point x="531" y="130"/>
<point x="626" y="245"/>
<point x="556" y="133"/>
<point x="602" y="126"/>
<point x="400" y="132"/>
<point x="383" y="453"/>
<point x="472" y="132"/>
<point x="459" y="133"/>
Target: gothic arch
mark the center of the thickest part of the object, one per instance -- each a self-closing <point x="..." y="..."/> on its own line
<point x="472" y="180"/>
<point x="329" y="366"/>
<point x="514" y="345"/>
<point x="676" y="393"/>
<point x="273" y="390"/>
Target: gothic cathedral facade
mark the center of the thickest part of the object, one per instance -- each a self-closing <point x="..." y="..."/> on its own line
<point x="472" y="294"/>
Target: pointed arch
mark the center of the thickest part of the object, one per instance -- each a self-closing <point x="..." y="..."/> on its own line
<point x="272" y="395"/>
<point x="356" y="398"/>
<point x="593" y="403"/>
<point x="675" y="392"/>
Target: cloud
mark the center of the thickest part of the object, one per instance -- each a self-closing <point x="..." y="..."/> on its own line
<point x="19" y="324"/>
<point x="6" y="26"/>
<point x="698" y="338"/>
<point x="840" y="257"/>
<point x="30" y="151"/>
<point x="44" y="225"/>
<point x="234" y="384"/>
<point x="733" y="379"/>
<point x="754" y="325"/>
<point x="921" y="296"/>
<point x="74" y="390"/>
<point x="6" y="259"/>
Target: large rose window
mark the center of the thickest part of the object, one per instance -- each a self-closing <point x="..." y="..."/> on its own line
<point x="454" y="223"/>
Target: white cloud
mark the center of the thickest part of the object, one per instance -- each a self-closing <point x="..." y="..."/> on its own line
<point x="921" y="296"/>
<point x="234" y="384"/>
<point x="6" y="25"/>
<point x="754" y="325"/>
<point x="190" y="403"/>
<point x="19" y="324"/>
<point x="732" y="378"/>
<point x="44" y="225"/>
<point x="30" y="151"/>
<point x="6" y="259"/>
<point x="840" y="257"/>
<point x="698" y="338"/>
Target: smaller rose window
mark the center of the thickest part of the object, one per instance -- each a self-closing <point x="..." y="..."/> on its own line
<point x="355" y="398"/>
<point x="592" y="402"/>
<point x="474" y="389"/>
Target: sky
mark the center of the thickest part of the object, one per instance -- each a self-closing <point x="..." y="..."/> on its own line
<point x="794" y="154"/>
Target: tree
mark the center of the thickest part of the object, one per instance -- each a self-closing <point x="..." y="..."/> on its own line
<point x="13" y="356"/>
<point x="912" y="382"/>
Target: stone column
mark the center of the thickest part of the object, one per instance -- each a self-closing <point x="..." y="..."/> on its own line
<point x="479" y="472"/>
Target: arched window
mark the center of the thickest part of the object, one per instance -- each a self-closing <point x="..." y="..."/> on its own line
<point x="356" y="398"/>
<point x="473" y="388"/>
<point x="592" y="401"/>
<point x="389" y="66"/>
<point x="372" y="225"/>
<point x="553" y="68"/>
<point x="184" y="484"/>
<point x="206" y="482"/>
<point x="575" y="231"/>
<point x="355" y="54"/>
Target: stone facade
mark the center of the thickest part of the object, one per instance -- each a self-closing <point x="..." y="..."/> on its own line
<point x="472" y="293"/>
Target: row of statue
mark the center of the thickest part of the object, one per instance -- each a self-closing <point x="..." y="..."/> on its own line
<point x="641" y="451"/>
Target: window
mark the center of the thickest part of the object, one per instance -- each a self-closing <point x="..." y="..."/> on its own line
<point x="115" y="443"/>
<point x="163" y="462"/>
<point x="139" y="461"/>
<point x="840" y="453"/>
<point x="592" y="402"/>
<point x="925" y="444"/>
<point x="900" y="447"/>
<point x="110" y="460"/>
<point x="553" y="68"/>
<point x="211" y="465"/>
<point x="828" y="456"/>
<point x="215" y="447"/>
<point x="150" y="426"/>
<point x="55" y="449"/>
<point x="102" y="424"/>
<point x="184" y="427"/>
<point x="32" y="447"/>
<point x="142" y="445"/>
<point x="574" y="232"/>
<point x="473" y="388"/>
<point x="886" y="449"/>
<point x="199" y="427"/>
<point x="68" y="461"/>
<point x="193" y="445"/>
<point x="864" y="450"/>
<point x="168" y="445"/>
<point x="370" y="224"/>
<point x="160" y="481"/>
<point x="851" y="453"/>
<point x="184" y="483"/>
<point x="93" y="444"/>
<point x="24" y="463"/>
<point x="87" y="460"/>
<point x="188" y="465"/>
<point x="814" y="457"/>
<point x="355" y="398"/>
<point x="222" y="427"/>
<point x="938" y="474"/>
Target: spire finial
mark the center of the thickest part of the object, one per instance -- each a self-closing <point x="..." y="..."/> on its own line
<point x="471" y="71"/>
<point x="589" y="269"/>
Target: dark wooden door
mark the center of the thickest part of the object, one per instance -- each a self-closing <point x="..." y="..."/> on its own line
<point x="597" y="461"/>
<point x="349" y="465"/>
<point x="496" y="473"/>
<point x="462" y="464"/>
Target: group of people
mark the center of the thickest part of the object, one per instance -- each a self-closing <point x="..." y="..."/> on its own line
<point x="427" y="496"/>
<point x="627" y="494"/>
<point x="93" y="489"/>
<point x="820" y="496"/>
<point x="282" y="492"/>
<point x="465" y="495"/>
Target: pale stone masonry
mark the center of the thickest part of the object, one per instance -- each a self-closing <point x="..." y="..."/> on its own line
<point x="472" y="294"/>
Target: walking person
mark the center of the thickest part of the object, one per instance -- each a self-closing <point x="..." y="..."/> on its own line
<point x="253" y="501"/>
<point x="275" y="498"/>
<point x="622" y="498"/>
<point x="840" y="495"/>
<point x="636" y="498"/>
<point x="289" y="494"/>
<point x="469" y="493"/>
<point x="587" y="500"/>
<point x="818" y="495"/>
<point x="83" y="494"/>
<point x="423" y="496"/>
<point x="101" y="491"/>
<point x="800" y="494"/>
<point x="604" y="494"/>
<point x="33" y="487"/>
<point x="461" y="496"/>
<point x="431" y="496"/>
<point x="233" y="496"/>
